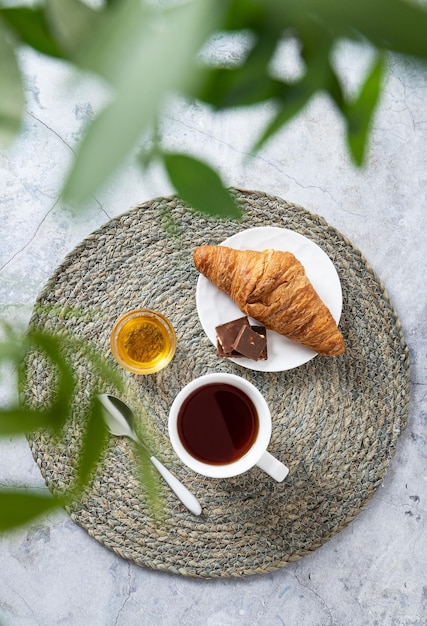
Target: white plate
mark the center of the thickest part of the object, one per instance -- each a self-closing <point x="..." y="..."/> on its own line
<point x="214" y="307"/>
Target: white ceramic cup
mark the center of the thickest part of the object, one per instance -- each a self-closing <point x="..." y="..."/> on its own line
<point x="257" y="453"/>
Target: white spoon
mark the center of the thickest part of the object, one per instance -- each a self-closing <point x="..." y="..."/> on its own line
<point x="119" y="419"/>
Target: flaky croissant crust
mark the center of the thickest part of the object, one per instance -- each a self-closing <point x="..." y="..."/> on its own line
<point x="272" y="287"/>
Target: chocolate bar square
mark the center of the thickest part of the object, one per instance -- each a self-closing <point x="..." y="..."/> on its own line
<point x="249" y="343"/>
<point x="232" y="354"/>
<point x="227" y="333"/>
<point x="261" y="330"/>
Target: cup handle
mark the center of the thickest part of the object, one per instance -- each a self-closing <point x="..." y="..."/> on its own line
<point x="273" y="467"/>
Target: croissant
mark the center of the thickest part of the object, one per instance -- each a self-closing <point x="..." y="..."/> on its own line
<point x="272" y="287"/>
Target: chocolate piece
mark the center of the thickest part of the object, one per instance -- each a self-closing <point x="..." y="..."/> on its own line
<point x="249" y="343"/>
<point x="261" y="330"/>
<point x="232" y="354"/>
<point x="227" y="333"/>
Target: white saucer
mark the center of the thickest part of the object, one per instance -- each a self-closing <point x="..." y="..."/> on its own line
<point x="214" y="307"/>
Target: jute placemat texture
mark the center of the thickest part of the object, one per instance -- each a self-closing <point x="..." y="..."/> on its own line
<point x="335" y="420"/>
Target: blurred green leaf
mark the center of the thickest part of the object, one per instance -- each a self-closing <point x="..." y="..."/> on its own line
<point x="292" y="101"/>
<point x="228" y="87"/>
<point x="149" y="480"/>
<point x="316" y="46"/>
<point x="72" y="22"/>
<point x="18" y="508"/>
<point x="200" y="186"/>
<point x="334" y="88"/>
<point x="246" y="84"/>
<point x="127" y="49"/>
<point x="94" y="441"/>
<point x="11" y="90"/>
<point x="168" y="222"/>
<point x="16" y="350"/>
<point x="359" y="113"/>
<point x="295" y="96"/>
<point x="244" y="14"/>
<point x="107" y="370"/>
<point x="52" y="347"/>
<point x="120" y="36"/>
<point x="20" y="420"/>
<point x="32" y="28"/>
<point x="394" y="25"/>
<point x="12" y="348"/>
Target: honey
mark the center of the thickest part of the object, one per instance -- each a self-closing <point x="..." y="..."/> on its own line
<point x="143" y="341"/>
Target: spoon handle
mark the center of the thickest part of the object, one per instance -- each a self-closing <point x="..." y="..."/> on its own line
<point x="186" y="497"/>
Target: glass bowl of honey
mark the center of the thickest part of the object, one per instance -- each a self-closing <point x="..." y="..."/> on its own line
<point x="143" y="341"/>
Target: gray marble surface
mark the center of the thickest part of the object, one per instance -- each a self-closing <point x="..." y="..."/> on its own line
<point x="373" y="572"/>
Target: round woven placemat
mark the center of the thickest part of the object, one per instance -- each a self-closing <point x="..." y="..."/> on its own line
<point x="335" y="420"/>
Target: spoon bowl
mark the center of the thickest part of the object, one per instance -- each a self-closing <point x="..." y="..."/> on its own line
<point x="118" y="417"/>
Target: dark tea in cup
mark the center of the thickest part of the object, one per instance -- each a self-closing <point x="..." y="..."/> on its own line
<point x="217" y="423"/>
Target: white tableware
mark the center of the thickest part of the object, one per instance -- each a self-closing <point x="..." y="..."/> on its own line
<point x="214" y="307"/>
<point x="257" y="453"/>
